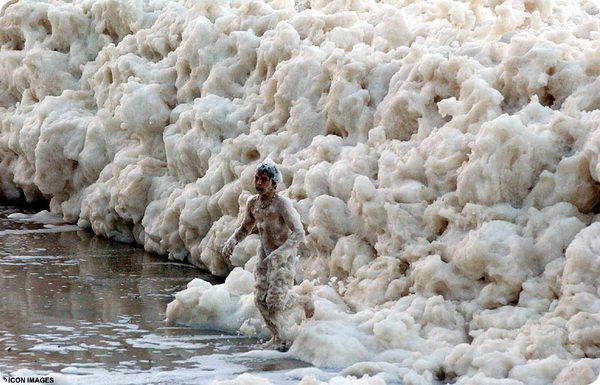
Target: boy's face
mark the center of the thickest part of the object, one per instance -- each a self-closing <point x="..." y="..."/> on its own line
<point x="262" y="182"/>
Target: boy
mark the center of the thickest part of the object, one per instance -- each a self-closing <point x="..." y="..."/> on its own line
<point x="280" y="231"/>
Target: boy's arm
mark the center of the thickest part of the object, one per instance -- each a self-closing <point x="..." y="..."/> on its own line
<point x="292" y="220"/>
<point x="242" y="231"/>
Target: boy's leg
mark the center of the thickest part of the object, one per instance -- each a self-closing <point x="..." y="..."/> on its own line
<point x="280" y="282"/>
<point x="261" y="286"/>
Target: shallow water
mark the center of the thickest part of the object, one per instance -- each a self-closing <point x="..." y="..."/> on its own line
<point x="88" y="308"/>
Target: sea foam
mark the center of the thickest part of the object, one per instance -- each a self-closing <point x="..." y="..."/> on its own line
<point x="443" y="156"/>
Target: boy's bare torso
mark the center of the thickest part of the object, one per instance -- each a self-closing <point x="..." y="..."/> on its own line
<point x="272" y="222"/>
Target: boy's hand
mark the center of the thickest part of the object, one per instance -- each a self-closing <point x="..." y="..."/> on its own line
<point x="228" y="248"/>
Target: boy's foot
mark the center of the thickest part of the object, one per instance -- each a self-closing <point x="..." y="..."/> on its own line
<point x="277" y="344"/>
<point x="283" y="346"/>
<point x="272" y="343"/>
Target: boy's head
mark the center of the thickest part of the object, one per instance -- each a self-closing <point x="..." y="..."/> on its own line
<point x="267" y="172"/>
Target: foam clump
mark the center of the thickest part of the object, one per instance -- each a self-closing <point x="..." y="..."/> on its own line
<point x="226" y="307"/>
<point x="443" y="156"/>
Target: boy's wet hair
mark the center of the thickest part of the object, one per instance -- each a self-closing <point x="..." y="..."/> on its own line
<point x="271" y="169"/>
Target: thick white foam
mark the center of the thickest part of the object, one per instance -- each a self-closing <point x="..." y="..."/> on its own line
<point x="444" y="158"/>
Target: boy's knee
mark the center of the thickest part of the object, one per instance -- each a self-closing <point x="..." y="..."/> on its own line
<point x="274" y="303"/>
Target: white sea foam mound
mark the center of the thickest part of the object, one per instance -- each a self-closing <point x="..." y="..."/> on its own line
<point x="444" y="157"/>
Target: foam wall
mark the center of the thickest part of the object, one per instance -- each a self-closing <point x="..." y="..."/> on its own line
<point x="443" y="155"/>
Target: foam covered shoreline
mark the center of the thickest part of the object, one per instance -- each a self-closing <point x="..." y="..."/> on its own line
<point x="443" y="155"/>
